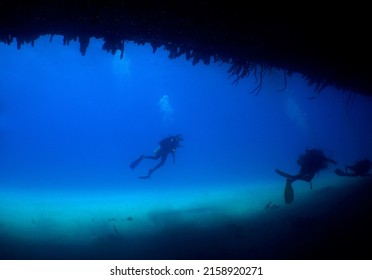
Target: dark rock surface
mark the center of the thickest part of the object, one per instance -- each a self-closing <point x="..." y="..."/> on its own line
<point x="327" y="45"/>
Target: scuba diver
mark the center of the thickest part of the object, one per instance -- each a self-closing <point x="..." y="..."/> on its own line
<point x="311" y="162"/>
<point x="360" y="168"/>
<point x="166" y="146"/>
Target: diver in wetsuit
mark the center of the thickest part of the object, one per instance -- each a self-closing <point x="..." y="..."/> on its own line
<point x="166" y="146"/>
<point x="360" y="168"/>
<point x="311" y="163"/>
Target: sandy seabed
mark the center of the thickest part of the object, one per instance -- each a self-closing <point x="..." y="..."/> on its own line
<point x="243" y="222"/>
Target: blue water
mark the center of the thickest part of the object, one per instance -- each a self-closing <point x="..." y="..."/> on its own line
<point x="70" y="125"/>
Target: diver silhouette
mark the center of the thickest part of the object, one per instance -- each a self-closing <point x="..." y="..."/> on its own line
<point x="311" y="162"/>
<point x="360" y="168"/>
<point x="166" y="146"/>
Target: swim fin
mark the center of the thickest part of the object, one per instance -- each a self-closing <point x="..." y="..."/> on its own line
<point x="148" y="175"/>
<point x="281" y="173"/>
<point x="288" y="193"/>
<point x="136" y="162"/>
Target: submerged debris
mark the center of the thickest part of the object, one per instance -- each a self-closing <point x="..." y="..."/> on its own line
<point x="271" y="206"/>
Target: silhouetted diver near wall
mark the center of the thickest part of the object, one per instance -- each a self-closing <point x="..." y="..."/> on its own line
<point x="311" y="163"/>
<point x="360" y="168"/>
<point x="166" y="146"/>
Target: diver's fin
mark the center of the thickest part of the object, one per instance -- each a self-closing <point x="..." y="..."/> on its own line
<point x="281" y="173"/>
<point x="148" y="175"/>
<point x="136" y="162"/>
<point x="288" y="193"/>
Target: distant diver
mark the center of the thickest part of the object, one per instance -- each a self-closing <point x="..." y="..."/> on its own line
<point x="166" y="146"/>
<point x="360" y="168"/>
<point x="311" y="162"/>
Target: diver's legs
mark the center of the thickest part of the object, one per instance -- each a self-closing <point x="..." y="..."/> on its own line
<point x="308" y="178"/>
<point x="134" y="164"/>
<point x="291" y="179"/>
<point x="161" y="163"/>
<point x="152" y="157"/>
<point x="285" y="175"/>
